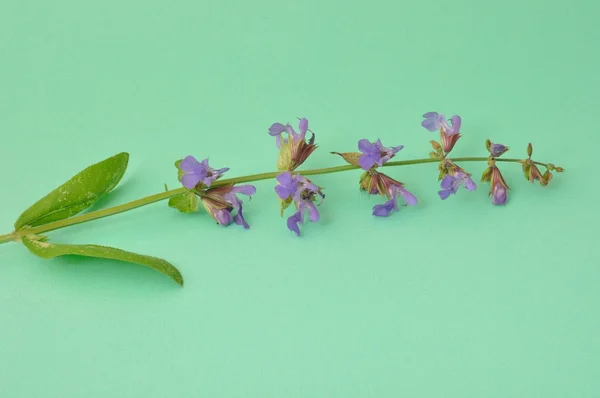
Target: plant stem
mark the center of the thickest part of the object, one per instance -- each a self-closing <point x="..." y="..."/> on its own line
<point x="6" y="238"/>
<point x="94" y="215"/>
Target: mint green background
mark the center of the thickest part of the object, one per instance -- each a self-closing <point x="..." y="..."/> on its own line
<point x="446" y="299"/>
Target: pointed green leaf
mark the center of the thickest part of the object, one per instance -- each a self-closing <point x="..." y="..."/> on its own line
<point x="186" y="203"/>
<point x="51" y="250"/>
<point x="77" y="194"/>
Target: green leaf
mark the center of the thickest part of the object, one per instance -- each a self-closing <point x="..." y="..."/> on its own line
<point x="77" y="194"/>
<point x="186" y="203"/>
<point x="51" y="250"/>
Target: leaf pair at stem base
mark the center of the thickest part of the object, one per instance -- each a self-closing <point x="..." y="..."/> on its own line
<point x="71" y="198"/>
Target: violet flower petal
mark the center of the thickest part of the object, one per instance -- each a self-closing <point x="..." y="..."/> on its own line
<point x="367" y="147"/>
<point x="313" y="212"/>
<point x="303" y="126"/>
<point x="388" y="154"/>
<point x="213" y="174"/>
<point x="190" y="165"/>
<point x="190" y="180"/>
<point x="285" y="178"/>
<point x="367" y="160"/>
<point x="396" y="149"/>
<point x="248" y="190"/>
<point x="432" y="121"/>
<point x="455" y="129"/>
<point x="385" y="209"/>
<point x="208" y="180"/>
<point x="288" y="185"/>
<point x="239" y="218"/>
<point x="447" y="182"/>
<point x="276" y="129"/>
<point x="292" y="222"/>
<point x="222" y="216"/>
<point x="444" y="193"/>
<point x="408" y="197"/>
<point x="470" y="184"/>
<point x="499" y="195"/>
<point x="284" y="192"/>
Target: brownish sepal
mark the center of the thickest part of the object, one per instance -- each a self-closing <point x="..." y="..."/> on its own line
<point x="350" y="157"/>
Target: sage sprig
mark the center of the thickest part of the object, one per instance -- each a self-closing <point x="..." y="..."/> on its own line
<point x="202" y="184"/>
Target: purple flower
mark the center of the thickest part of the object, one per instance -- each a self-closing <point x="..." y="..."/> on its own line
<point x="293" y="148"/>
<point x="449" y="132"/>
<point x="303" y="193"/>
<point x="376" y="183"/>
<point x="288" y="185"/>
<point x="375" y="153"/>
<point x="433" y="121"/>
<point x="436" y="121"/>
<point x="451" y="183"/>
<point x="220" y="203"/>
<point x="277" y="129"/>
<point x="384" y="210"/>
<point x="195" y="172"/>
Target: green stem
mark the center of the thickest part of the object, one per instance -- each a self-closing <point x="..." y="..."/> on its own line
<point x="94" y="215"/>
<point x="6" y="238"/>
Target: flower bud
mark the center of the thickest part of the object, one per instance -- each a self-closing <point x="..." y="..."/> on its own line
<point x="436" y="145"/>
<point x="496" y="150"/>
